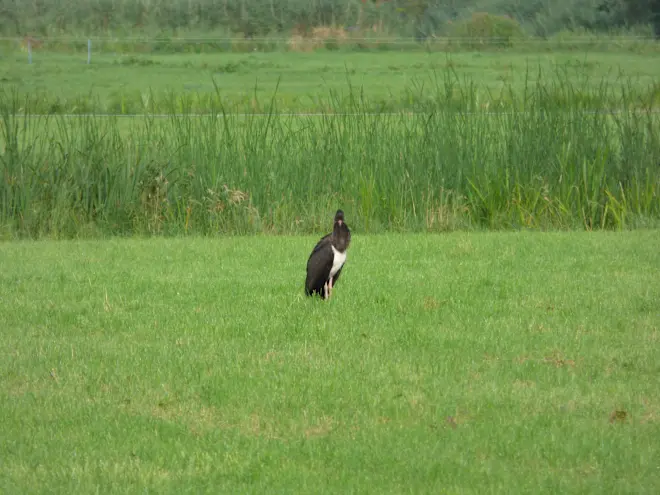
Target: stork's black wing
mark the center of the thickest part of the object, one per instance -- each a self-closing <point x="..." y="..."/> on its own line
<point x="319" y="265"/>
<point x="319" y="245"/>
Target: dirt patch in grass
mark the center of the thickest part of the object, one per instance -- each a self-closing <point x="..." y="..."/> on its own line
<point x="330" y="37"/>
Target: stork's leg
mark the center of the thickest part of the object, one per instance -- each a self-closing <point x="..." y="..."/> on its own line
<point x="330" y="287"/>
<point x="325" y="290"/>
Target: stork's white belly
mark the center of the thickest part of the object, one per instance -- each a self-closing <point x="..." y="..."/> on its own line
<point x="337" y="262"/>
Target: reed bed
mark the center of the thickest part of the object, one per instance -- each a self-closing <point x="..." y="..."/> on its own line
<point x="544" y="160"/>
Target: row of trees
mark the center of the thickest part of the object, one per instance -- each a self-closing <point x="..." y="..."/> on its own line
<point x="272" y="17"/>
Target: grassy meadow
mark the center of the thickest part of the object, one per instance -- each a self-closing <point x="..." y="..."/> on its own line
<point x="495" y="328"/>
<point x="456" y="363"/>
<point x="134" y="83"/>
<point x="418" y="141"/>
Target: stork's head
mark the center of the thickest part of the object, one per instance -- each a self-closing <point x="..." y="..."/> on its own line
<point x="340" y="232"/>
<point x="339" y="217"/>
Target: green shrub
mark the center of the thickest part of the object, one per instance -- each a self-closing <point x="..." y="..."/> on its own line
<point x="486" y="30"/>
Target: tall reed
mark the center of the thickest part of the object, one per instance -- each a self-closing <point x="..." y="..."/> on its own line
<point x="547" y="161"/>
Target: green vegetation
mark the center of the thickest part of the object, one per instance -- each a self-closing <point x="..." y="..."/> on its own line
<point x="420" y="19"/>
<point x="541" y="153"/>
<point x="467" y="362"/>
<point x="303" y="82"/>
<point x="411" y="140"/>
<point x="508" y="363"/>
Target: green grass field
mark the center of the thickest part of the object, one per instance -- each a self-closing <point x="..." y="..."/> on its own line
<point x="146" y="347"/>
<point x="134" y="83"/>
<point x="458" y="363"/>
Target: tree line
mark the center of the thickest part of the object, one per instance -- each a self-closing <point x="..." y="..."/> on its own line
<point x="252" y="18"/>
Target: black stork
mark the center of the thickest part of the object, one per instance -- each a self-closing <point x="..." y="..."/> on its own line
<point x="327" y="259"/>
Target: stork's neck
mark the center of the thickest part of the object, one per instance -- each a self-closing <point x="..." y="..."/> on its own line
<point x="340" y="237"/>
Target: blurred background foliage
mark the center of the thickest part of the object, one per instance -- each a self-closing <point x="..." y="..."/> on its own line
<point x="419" y="19"/>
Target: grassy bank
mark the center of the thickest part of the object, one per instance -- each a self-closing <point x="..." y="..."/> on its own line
<point x="542" y="160"/>
<point x="500" y="363"/>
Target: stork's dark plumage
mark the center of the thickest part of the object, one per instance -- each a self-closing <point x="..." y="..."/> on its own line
<point x="327" y="259"/>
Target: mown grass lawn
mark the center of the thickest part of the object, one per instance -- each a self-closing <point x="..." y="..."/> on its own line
<point x="460" y="363"/>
